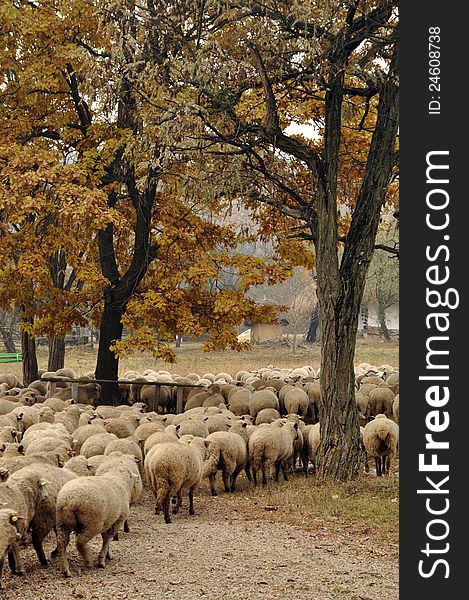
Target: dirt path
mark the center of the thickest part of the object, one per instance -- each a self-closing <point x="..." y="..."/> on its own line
<point x="223" y="553"/>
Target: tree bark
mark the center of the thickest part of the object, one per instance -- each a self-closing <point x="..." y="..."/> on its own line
<point x="312" y="336"/>
<point x="8" y="340"/>
<point x="382" y="323"/>
<point x="56" y="358"/>
<point x="28" y="348"/>
<point x="7" y="325"/>
<point x="107" y="366"/>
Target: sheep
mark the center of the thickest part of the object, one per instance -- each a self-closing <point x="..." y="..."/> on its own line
<point x="83" y="432"/>
<point x="172" y="467"/>
<point x="7" y="405"/>
<point x="87" y="393"/>
<point x="115" y="463"/>
<point x="48" y="444"/>
<point x="9" y="535"/>
<point x="217" y="422"/>
<point x="226" y="452"/>
<point x="96" y="444"/>
<point x="120" y="427"/>
<point x="56" y="404"/>
<point x="127" y="445"/>
<point x="145" y="430"/>
<point x="32" y="491"/>
<point x="158" y="437"/>
<point x="296" y="401"/>
<point x="12" y="464"/>
<point x="262" y="399"/>
<point x="380" y="401"/>
<point x="314" y="439"/>
<point x="395" y="409"/>
<point x="194" y="427"/>
<point x="380" y="438"/>
<point x="272" y="445"/>
<point x="12" y="449"/>
<point x="267" y="415"/>
<point x="8" y="434"/>
<point x="91" y="506"/>
<point x="79" y="465"/>
<point x="158" y="398"/>
<point x="238" y="401"/>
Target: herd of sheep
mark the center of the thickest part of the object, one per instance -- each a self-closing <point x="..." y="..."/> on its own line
<point x="77" y="466"/>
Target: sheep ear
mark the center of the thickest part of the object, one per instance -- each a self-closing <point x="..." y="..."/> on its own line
<point x="21" y="448"/>
<point x="244" y="424"/>
<point x="206" y="418"/>
<point x="207" y="443"/>
<point x="2" y="447"/>
<point x="178" y="427"/>
<point x="295" y="425"/>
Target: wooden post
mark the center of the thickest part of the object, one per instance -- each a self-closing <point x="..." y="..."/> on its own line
<point x="75" y="392"/>
<point x="52" y="386"/>
<point x="179" y="396"/>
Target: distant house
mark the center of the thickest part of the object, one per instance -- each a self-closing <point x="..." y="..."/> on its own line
<point x="264" y="332"/>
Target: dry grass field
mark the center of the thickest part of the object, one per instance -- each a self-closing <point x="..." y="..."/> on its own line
<point x="190" y="357"/>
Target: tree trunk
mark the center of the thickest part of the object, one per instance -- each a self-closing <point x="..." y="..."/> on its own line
<point x="8" y="340"/>
<point x="178" y="341"/>
<point x="293" y="346"/>
<point x="340" y="287"/>
<point x="107" y="366"/>
<point x="312" y="336"/>
<point x="7" y="325"/>
<point x="382" y="323"/>
<point x="56" y="353"/>
<point x="28" y="348"/>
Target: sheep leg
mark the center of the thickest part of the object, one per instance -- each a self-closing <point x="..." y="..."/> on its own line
<point x="304" y="460"/>
<point x="83" y="549"/>
<point x="284" y="469"/>
<point x="234" y="477"/>
<point x="387" y="462"/>
<point x="191" y="500"/>
<point x="37" y="545"/>
<point x="277" y="470"/>
<point x="14" y="560"/>
<point x="378" y="466"/>
<point x="226" y="480"/>
<point x="63" y="539"/>
<point x="106" y="535"/>
<point x="264" y="473"/>
<point x="166" y="501"/>
<point x="177" y="506"/>
<point x="254" y="475"/>
<point x="211" y="478"/>
<point x="126" y="526"/>
<point x="247" y="470"/>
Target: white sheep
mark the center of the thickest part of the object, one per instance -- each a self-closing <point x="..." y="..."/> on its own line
<point x="226" y="452"/>
<point x="173" y="467"/>
<point x="380" y="438"/>
<point x="272" y="446"/>
<point x="91" y="506"/>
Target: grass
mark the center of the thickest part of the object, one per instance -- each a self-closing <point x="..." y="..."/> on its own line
<point x="191" y="358"/>
<point x="367" y="503"/>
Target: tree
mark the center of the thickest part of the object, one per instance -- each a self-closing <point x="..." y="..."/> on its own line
<point x="8" y="325"/>
<point x="96" y="191"/>
<point x="382" y="283"/>
<point x="334" y="65"/>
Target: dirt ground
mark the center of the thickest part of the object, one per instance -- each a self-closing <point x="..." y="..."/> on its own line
<point x="236" y="547"/>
